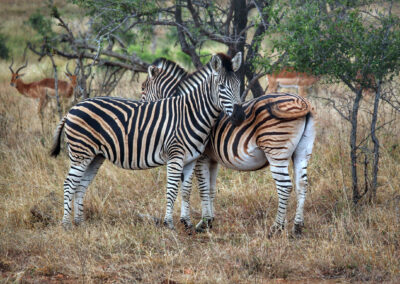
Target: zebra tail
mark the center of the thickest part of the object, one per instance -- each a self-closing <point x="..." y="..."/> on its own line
<point x="309" y="131"/>
<point x="55" y="149"/>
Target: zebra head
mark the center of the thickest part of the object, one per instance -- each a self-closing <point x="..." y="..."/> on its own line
<point x="226" y="85"/>
<point x="162" y="80"/>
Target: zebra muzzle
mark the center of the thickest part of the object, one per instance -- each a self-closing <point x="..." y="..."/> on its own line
<point x="238" y="115"/>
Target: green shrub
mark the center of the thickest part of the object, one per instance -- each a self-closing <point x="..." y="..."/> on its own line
<point x="4" y="51"/>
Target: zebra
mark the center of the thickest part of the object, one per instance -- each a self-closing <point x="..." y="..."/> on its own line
<point x="143" y="135"/>
<point x="278" y="127"/>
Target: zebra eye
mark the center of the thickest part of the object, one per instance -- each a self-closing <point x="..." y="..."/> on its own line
<point x="222" y="87"/>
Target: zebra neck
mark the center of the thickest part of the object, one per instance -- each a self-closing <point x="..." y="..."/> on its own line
<point x="199" y="107"/>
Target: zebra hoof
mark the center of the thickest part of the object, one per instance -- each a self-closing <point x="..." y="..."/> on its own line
<point x="169" y="224"/>
<point x="204" y="224"/>
<point x="67" y="226"/>
<point x="188" y="224"/>
<point x="275" y="230"/>
<point x="298" y="229"/>
<point x="78" y="222"/>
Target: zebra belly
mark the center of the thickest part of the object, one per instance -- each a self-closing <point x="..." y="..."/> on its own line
<point x="254" y="159"/>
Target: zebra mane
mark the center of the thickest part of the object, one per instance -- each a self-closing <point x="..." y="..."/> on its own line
<point x="180" y="75"/>
<point x="226" y="61"/>
<point x="165" y="64"/>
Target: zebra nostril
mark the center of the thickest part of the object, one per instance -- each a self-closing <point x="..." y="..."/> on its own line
<point x="238" y="115"/>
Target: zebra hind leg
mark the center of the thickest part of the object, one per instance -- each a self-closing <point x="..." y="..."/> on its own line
<point x="71" y="184"/>
<point x="187" y="176"/>
<point x="87" y="178"/>
<point x="301" y="157"/>
<point x="280" y="173"/>
<point x="213" y="188"/>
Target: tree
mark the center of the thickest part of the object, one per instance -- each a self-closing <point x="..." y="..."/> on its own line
<point x="115" y="25"/>
<point x="347" y="41"/>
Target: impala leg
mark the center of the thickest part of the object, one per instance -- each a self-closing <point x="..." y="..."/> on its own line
<point x="187" y="176"/>
<point x="41" y="105"/>
<point x="302" y="91"/>
<point x="87" y="178"/>
<point x="272" y="87"/>
<point x="174" y="172"/>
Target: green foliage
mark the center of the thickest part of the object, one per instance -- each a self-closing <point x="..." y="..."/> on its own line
<point x="40" y="24"/>
<point x="338" y="42"/>
<point x="4" y="51"/>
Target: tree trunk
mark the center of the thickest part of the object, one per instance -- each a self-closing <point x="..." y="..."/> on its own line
<point x="186" y="48"/>
<point x="252" y="52"/>
<point x="353" y="146"/>
<point x="239" y="24"/>
<point x="376" y="145"/>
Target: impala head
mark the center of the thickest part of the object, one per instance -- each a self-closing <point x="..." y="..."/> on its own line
<point x="15" y="75"/>
<point x="226" y="85"/>
<point x="72" y="77"/>
<point x="162" y="79"/>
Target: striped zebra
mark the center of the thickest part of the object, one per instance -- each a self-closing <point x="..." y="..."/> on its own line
<point x="143" y="135"/>
<point x="278" y="127"/>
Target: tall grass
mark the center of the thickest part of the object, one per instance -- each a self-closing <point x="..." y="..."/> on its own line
<point x="115" y="245"/>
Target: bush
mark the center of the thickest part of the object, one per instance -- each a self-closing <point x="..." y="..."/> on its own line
<point x="4" y="51"/>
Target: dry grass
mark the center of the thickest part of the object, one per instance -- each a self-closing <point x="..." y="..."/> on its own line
<point x="339" y="244"/>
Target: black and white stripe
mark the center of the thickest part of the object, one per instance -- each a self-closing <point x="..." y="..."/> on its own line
<point x="142" y="135"/>
<point x="278" y="127"/>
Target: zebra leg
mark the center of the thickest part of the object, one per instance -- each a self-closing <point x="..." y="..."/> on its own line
<point x="301" y="157"/>
<point x="187" y="176"/>
<point x="87" y="178"/>
<point x="71" y="183"/>
<point x="300" y="178"/>
<point x="280" y="173"/>
<point x="213" y="187"/>
<point x="203" y="177"/>
<point x="174" y="172"/>
<point x="206" y="172"/>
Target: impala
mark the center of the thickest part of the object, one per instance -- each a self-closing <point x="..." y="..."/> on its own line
<point x="43" y="89"/>
<point x="289" y="78"/>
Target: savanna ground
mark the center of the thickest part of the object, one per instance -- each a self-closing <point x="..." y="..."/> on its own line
<point x="340" y="243"/>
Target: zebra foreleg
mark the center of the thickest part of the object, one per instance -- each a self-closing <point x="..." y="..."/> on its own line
<point x="187" y="176"/>
<point x="87" y="178"/>
<point x="280" y="174"/>
<point x="174" y="172"/>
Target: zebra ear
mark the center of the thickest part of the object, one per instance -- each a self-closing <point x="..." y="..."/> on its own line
<point x="152" y="71"/>
<point x="216" y="64"/>
<point x="237" y="61"/>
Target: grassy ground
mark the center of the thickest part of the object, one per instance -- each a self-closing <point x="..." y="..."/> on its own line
<point x="340" y="243"/>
